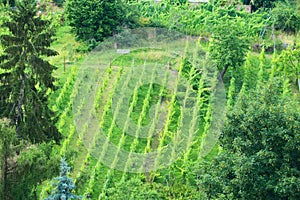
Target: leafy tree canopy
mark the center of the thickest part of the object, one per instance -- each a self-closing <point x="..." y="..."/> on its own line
<point x="9" y="2"/>
<point x="135" y="188"/>
<point x="23" y="166"/>
<point x="95" y="20"/>
<point x="286" y="17"/>
<point x="257" y="4"/>
<point x="229" y="43"/>
<point x="261" y="155"/>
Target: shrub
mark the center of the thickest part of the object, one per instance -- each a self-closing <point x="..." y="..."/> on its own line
<point x="286" y="17"/>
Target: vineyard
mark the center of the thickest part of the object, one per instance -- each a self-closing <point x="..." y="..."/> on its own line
<point x="178" y="102"/>
<point x="133" y="112"/>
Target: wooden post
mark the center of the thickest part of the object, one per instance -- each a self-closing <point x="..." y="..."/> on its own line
<point x="273" y="38"/>
<point x="64" y="63"/>
<point x="115" y="41"/>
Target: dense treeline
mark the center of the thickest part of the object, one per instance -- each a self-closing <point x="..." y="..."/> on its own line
<point x="196" y="20"/>
<point x="257" y="156"/>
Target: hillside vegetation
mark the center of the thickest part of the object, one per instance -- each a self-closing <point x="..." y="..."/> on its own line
<point x="143" y="100"/>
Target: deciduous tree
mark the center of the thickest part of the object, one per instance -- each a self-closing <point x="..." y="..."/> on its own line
<point x="286" y="17"/>
<point x="229" y="43"/>
<point x="95" y="20"/>
<point x="261" y="155"/>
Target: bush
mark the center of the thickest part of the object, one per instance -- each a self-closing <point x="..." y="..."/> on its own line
<point x="95" y="20"/>
<point x="59" y="2"/>
<point x="11" y="3"/>
<point x="286" y="18"/>
<point x="261" y="3"/>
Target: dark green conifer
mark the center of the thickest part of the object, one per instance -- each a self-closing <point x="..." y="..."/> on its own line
<point x="25" y="77"/>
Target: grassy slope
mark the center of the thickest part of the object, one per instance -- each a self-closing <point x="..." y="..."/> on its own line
<point x="66" y="46"/>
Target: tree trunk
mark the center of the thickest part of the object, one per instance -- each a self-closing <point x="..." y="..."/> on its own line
<point x="19" y="117"/>
<point x="64" y="63"/>
<point x="5" y="193"/>
<point x="223" y="73"/>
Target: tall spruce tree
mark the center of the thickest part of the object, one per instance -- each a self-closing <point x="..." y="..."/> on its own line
<point x="25" y="77"/>
<point x="64" y="186"/>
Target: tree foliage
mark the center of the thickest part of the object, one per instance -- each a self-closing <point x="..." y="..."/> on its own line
<point x="35" y="164"/>
<point x="288" y="63"/>
<point x="260" y="158"/>
<point x="229" y="43"/>
<point x="95" y="20"/>
<point x="23" y="166"/>
<point x="177" y="2"/>
<point x="257" y="4"/>
<point x="9" y="2"/>
<point x="26" y="78"/>
<point x="7" y="144"/>
<point x="286" y="17"/>
<point x="264" y="3"/>
<point x="133" y="189"/>
<point x="59" y="2"/>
